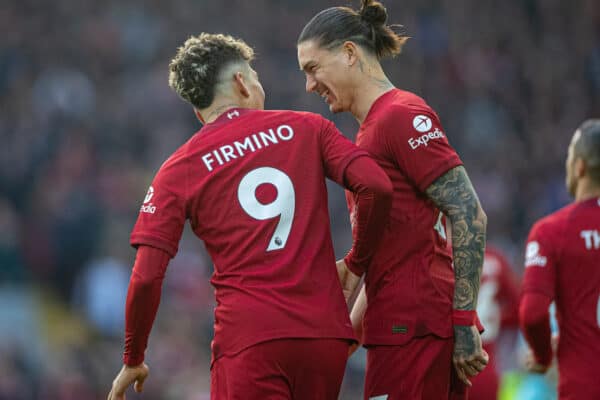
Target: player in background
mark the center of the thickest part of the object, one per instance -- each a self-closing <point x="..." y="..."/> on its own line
<point x="562" y="264"/>
<point x="421" y="315"/>
<point x="252" y="184"/>
<point x="498" y="309"/>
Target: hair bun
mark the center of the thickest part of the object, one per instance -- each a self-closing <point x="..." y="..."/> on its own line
<point x="373" y="12"/>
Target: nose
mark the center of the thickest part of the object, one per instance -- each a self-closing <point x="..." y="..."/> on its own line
<point x="311" y="84"/>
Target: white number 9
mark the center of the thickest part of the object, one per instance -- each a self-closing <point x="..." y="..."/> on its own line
<point x="284" y="204"/>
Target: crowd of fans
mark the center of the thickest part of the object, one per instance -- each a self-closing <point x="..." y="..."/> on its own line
<point x="87" y="118"/>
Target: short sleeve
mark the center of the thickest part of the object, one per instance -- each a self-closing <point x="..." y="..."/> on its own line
<point x="337" y="151"/>
<point x="418" y="144"/>
<point x="540" y="262"/>
<point x="163" y="212"/>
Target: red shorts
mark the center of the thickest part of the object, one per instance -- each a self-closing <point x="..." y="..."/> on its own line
<point x="282" y="369"/>
<point x="485" y="385"/>
<point x="419" y="370"/>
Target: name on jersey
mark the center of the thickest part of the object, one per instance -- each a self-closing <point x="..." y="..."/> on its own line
<point x="423" y="140"/>
<point x="591" y="238"/>
<point x="248" y="144"/>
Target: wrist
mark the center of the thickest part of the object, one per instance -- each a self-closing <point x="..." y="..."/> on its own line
<point x="133" y="361"/>
<point x="351" y="265"/>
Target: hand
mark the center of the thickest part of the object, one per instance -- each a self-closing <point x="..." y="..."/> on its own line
<point x="353" y="347"/>
<point x="125" y="378"/>
<point x="469" y="358"/>
<point x="532" y="365"/>
<point x="348" y="280"/>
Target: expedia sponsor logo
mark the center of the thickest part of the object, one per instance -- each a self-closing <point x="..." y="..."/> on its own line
<point x="533" y="258"/>
<point x="422" y="123"/>
<point x="148" y="207"/>
<point x="424" y="139"/>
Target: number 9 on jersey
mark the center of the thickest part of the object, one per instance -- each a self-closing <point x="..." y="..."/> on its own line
<point x="283" y="206"/>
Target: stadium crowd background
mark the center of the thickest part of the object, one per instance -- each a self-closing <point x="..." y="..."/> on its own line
<point x="86" y="118"/>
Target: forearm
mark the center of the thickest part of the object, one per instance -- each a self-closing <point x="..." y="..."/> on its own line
<point x="373" y="198"/>
<point x="453" y="193"/>
<point x="143" y="298"/>
<point x="468" y="247"/>
<point x="348" y="279"/>
<point x="358" y="313"/>
<point x="535" y="324"/>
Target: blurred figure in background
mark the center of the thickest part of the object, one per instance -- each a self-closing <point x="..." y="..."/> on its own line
<point x="497" y="307"/>
<point x="562" y="261"/>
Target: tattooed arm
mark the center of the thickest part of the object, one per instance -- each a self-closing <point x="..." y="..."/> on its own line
<point x="453" y="193"/>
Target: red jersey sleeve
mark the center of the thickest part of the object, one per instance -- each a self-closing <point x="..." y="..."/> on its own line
<point x="540" y="261"/>
<point x="337" y="151"/>
<point x="163" y="212"/>
<point x="418" y="144"/>
<point x="143" y="298"/>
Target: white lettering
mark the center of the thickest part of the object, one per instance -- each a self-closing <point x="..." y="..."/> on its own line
<point x="591" y="238"/>
<point x="424" y="139"/>
<point x="207" y="161"/>
<point x="218" y="157"/>
<point x="251" y="143"/>
<point x="227" y="152"/>
<point x="533" y="257"/>
<point x="240" y="147"/>
<point x="150" y="209"/>
<point x="288" y="128"/>
<point x="256" y="141"/>
<point x="266" y="138"/>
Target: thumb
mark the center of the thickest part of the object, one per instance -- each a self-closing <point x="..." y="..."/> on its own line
<point x="139" y="383"/>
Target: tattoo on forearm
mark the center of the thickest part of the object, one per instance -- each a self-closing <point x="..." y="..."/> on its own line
<point x="453" y="193"/>
<point x="465" y="342"/>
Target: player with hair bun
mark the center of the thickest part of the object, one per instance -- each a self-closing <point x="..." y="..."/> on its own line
<point x="416" y="313"/>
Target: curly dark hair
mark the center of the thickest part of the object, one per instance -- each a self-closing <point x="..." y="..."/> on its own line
<point x="195" y="71"/>
<point x="367" y="27"/>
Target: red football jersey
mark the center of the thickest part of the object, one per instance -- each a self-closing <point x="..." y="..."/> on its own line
<point x="252" y="184"/>
<point x="563" y="262"/>
<point x="410" y="282"/>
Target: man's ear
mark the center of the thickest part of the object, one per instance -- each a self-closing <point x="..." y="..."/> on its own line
<point x="580" y="167"/>
<point x="240" y="85"/>
<point x="350" y="52"/>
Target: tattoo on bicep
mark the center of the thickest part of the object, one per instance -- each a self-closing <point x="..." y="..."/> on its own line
<point x="453" y="193"/>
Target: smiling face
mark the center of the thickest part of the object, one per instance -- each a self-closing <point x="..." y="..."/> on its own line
<point x="328" y="74"/>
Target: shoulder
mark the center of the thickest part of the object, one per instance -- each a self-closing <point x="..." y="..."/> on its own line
<point x="554" y="222"/>
<point x="302" y="116"/>
<point x="173" y="170"/>
<point x="406" y="110"/>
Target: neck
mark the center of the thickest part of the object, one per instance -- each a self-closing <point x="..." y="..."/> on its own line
<point x="371" y="86"/>
<point x="213" y="112"/>
<point x="586" y="190"/>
